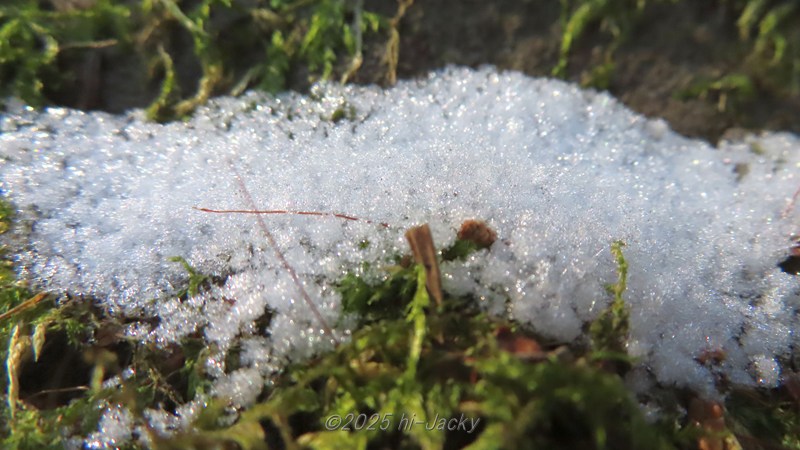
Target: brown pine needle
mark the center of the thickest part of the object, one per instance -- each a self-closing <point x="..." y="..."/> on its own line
<point x="791" y="204"/>
<point x="288" y="267"/>
<point x="288" y="211"/>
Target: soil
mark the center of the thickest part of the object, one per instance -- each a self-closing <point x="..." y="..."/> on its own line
<point x="669" y="51"/>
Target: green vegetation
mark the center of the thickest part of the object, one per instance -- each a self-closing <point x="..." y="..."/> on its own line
<point x="773" y="29"/>
<point x="762" y="418"/>
<point x="181" y="53"/>
<point x="609" y="332"/>
<point x="236" y="44"/>
<point x="196" y="279"/>
<point x="616" y="17"/>
<point x="407" y="357"/>
<point x="26" y="322"/>
<point x="455" y="363"/>
<point x="768" y="29"/>
<point x="412" y="376"/>
<point x="736" y="86"/>
<point x="460" y="249"/>
<point x="32" y="40"/>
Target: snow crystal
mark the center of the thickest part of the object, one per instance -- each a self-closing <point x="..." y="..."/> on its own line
<point x="114" y="429"/>
<point x="559" y="172"/>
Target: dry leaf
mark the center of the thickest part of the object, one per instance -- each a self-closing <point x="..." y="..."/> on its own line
<point x="478" y="233"/>
<point x="521" y="346"/>
<point x="712" y="357"/>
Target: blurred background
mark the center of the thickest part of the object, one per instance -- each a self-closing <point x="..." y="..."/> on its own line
<point x="709" y="68"/>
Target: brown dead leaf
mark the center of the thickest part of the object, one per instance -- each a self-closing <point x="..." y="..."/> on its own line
<point x="518" y="345"/>
<point x="713" y="357"/>
<point x="478" y="233"/>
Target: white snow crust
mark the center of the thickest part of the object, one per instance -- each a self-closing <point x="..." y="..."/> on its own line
<point x="559" y="172"/>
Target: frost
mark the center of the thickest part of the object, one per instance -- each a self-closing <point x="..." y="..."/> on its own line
<point x="114" y="429"/>
<point x="559" y="172"/>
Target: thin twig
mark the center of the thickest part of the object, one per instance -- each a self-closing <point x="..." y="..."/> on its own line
<point x="392" y="54"/>
<point x="57" y="391"/>
<point x="289" y="269"/>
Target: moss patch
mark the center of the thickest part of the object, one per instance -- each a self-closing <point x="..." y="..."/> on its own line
<point x="177" y="54"/>
<point x="413" y="375"/>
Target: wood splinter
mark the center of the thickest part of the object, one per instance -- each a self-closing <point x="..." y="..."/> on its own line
<point x="421" y="242"/>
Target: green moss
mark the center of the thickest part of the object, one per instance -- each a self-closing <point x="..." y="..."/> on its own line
<point x="408" y="373"/>
<point x="765" y="416"/>
<point x="196" y="279"/>
<point x="460" y="249"/>
<point x="386" y="299"/>
<point x="6" y="215"/>
<point x="397" y="378"/>
<point x="32" y="39"/>
<point x="26" y="426"/>
<point x="276" y="38"/>
<point x="404" y="360"/>
<point x="344" y="111"/>
<point x="769" y="33"/>
<point x="609" y="332"/>
<point x="28" y="324"/>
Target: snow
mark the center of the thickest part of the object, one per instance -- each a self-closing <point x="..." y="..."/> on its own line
<point x="114" y="429"/>
<point x="559" y="172"/>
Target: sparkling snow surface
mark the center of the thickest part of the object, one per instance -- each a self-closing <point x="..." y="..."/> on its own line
<point x="559" y="172"/>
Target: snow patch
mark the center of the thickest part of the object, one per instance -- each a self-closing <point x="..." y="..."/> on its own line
<point x="558" y="171"/>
